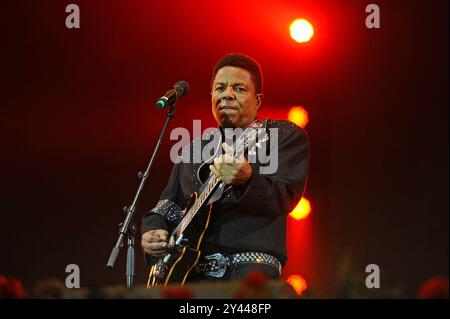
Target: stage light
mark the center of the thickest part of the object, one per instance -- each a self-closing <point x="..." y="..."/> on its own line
<point x="298" y="115"/>
<point x="302" y="209"/>
<point x="298" y="283"/>
<point x="301" y="30"/>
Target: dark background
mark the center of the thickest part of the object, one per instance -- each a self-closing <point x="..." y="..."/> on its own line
<point x="77" y="124"/>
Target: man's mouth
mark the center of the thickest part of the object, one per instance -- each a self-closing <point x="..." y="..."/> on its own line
<point x="227" y="107"/>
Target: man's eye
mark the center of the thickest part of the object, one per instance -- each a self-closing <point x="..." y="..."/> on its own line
<point x="219" y="88"/>
<point x="239" y="89"/>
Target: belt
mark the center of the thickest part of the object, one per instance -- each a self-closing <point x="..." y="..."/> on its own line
<point x="216" y="265"/>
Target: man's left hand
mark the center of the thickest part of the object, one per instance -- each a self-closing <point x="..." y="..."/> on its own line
<point x="230" y="170"/>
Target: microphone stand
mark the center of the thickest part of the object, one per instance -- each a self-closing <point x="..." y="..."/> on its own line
<point x="128" y="227"/>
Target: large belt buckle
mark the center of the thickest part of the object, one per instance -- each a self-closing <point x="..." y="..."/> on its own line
<point x="219" y="265"/>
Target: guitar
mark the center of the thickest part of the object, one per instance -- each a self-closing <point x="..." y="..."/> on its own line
<point x="186" y="239"/>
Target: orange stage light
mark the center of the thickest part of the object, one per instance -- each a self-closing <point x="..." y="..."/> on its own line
<point x="302" y="209"/>
<point x="298" y="115"/>
<point x="298" y="283"/>
<point x="301" y="30"/>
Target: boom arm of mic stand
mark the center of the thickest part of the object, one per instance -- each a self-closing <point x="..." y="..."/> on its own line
<point x="125" y="228"/>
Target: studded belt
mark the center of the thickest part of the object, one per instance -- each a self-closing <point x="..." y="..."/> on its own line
<point x="216" y="265"/>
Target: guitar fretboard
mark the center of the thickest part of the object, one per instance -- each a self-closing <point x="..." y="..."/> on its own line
<point x="212" y="182"/>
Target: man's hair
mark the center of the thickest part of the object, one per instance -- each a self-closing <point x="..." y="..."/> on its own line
<point x="241" y="61"/>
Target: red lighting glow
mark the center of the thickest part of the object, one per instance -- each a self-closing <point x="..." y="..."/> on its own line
<point x="301" y="30"/>
<point x="302" y="209"/>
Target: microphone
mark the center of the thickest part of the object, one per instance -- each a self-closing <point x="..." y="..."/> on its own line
<point x="170" y="97"/>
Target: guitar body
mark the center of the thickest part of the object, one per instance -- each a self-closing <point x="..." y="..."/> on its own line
<point x="176" y="266"/>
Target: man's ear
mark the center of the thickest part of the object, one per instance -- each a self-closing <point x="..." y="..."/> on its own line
<point x="259" y="99"/>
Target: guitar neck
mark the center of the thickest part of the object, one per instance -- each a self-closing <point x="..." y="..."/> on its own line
<point x="211" y="185"/>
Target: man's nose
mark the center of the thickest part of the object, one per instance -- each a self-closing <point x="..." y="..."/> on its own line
<point x="228" y="94"/>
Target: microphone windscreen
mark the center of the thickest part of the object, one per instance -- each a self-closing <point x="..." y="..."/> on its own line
<point x="184" y="87"/>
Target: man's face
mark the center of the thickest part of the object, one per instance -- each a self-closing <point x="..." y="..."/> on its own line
<point x="234" y="98"/>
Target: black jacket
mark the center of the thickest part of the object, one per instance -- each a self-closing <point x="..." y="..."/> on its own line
<point x="250" y="217"/>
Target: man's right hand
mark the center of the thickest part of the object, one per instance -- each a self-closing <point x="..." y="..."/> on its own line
<point x="154" y="242"/>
